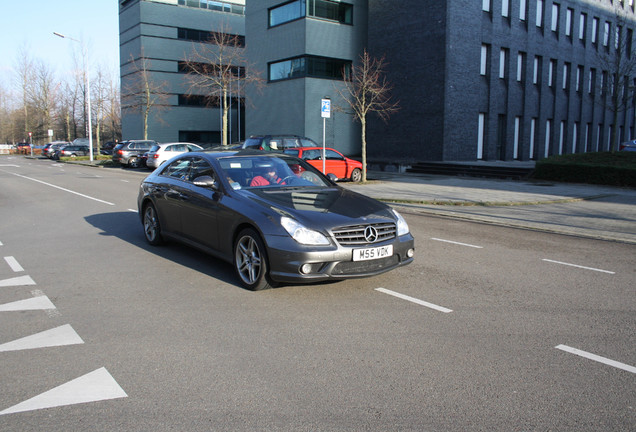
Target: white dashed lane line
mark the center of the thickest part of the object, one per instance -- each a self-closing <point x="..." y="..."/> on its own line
<point x="456" y="243"/>
<point x="414" y="300"/>
<point x="596" y="358"/>
<point x="578" y="266"/>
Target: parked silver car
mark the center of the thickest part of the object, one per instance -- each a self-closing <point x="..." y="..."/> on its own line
<point x="160" y="153"/>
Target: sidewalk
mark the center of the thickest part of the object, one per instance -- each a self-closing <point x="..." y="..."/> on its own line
<point x="601" y="212"/>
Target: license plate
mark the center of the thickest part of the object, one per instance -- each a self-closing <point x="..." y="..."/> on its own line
<point x="372" y="253"/>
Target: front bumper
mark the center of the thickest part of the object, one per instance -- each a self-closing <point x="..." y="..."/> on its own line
<point x="335" y="263"/>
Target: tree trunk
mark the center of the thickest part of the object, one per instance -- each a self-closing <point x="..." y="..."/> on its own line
<point x="226" y="110"/>
<point x="363" y="124"/>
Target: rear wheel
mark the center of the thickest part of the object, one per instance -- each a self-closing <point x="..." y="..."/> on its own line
<point x="133" y="162"/>
<point x="250" y="261"/>
<point x="356" y="175"/>
<point x="152" y="229"/>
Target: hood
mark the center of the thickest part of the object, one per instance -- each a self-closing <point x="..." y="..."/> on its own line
<point x="331" y="206"/>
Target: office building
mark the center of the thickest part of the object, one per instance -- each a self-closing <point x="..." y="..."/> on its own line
<point x="478" y="80"/>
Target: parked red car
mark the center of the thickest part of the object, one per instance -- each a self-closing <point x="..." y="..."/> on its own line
<point x="335" y="162"/>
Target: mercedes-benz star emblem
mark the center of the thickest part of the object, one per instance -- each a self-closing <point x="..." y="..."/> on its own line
<point x="370" y="234"/>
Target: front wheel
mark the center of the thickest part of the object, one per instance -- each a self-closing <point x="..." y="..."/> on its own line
<point x="152" y="229"/>
<point x="356" y="175"/>
<point x="250" y="260"/>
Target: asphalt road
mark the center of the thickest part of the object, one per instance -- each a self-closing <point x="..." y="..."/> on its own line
<point x="491" y="328"/>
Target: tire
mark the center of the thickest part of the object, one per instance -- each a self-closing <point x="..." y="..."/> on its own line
<point x="152" y="229"/>
<point x="133" y="162"/>
<point x="356" y="175"/>
<point x="250" y="261"/>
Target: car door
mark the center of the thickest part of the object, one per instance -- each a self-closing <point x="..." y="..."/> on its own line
<point x="200" y="207"/>
<point x="170" y="194"/>
<point x="335" y="164"/>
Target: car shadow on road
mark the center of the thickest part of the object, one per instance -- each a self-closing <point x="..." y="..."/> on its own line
<point x="127" y="227"/>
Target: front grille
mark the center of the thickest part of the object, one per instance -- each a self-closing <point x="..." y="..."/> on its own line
<point x="352" y="268"/>
<point x="355" y="235"/>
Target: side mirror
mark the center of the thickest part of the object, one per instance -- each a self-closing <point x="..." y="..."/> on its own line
<point x="206" y="182"/>
<point x="332" y="177"/>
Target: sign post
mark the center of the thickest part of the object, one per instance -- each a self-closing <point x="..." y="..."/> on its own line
<point x="325" y="113"/>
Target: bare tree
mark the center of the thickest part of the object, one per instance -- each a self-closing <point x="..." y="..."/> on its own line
<point x="24" y="78"/>
<point x="43" y="95"/>
<point x="216" y="67"/>
<point x="365" y="91"/>
<point x="619" y="67"/>
<point x="143" y="93"/>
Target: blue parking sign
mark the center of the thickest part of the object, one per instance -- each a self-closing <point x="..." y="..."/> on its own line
<point x="325" y="108"/>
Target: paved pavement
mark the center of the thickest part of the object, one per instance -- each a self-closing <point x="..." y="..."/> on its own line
<point x="601" y="212"/>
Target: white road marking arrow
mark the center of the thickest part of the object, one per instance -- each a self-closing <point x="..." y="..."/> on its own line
<point x="17" y="281"/>
<point x="92" y="387"/>
<point x="35" y="303"/>
<point x="59" y="336"/>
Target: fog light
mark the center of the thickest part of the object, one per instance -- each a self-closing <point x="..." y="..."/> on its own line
<point x="410" y="253"/>
<point x="305" y="268"/>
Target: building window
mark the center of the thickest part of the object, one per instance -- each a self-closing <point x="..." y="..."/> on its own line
<point x="594" y="30"/>
<point x="214" y="5"/>
<point x="606" y="33"/>
<point x="505" y="8"/>
<point x="551" y="68"/>
<point x="206" y="36"/>
<point x="502" y="63"/>
<point x="566" y="75"/>
<point x="539" y="20"/>
<point x="533" y="128"/>
<point x="330" y="10"/>
<point x="548" y="126"/>
<point x="483" y="66"/>
<point x="582" y="24"/>
<point x="324" y="9"/>
<point x="568" y="22"/>
<point x="521" y="57"/>
<point x="485" y="5"/>
<point x="561" y="137"/>
<point x="481" y="136"/>
<point x="575" y="136"/>
<point x="515" y="148"/>
<point x="617" y="36"/>
<point x="554" y="25"/>
<point x="579" y="77"/>
<point x="309" y="66"/>
<point x="591" y="81"/>
<point x="523" y="10"/>
<point x="536" y="70"/>
<point x="286" y="12"/>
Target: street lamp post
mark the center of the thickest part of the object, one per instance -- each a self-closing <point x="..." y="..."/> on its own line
<point x="88" y="93"/>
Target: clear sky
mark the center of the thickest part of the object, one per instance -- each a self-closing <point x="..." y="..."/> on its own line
<point x="29" y="25"/>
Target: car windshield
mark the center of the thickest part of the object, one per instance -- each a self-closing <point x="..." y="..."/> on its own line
<point x="270" y="172"/>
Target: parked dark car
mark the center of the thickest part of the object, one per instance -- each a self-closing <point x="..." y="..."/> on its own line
<point x="71" y="151"/>
<point x="302" y="227"/>
<point x="49" y="149"/>
<point x="128" y="153"/>
<point x="277" y="142"/>
<point x="335" y="162"/>
<point x="107" y="147"/>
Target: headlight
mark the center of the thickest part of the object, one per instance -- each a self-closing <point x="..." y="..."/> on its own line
<point x="402" y="226"/>
<point x="302" y="234"/>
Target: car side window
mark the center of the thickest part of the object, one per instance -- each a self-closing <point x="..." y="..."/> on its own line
<point x="332" y="155"/>
<point x="307" y="143"/>
<point x="290" y="142"/>
<point x="312" y="155"/>
<point x="200" y="167"/>
<point x="179" y="169"/>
